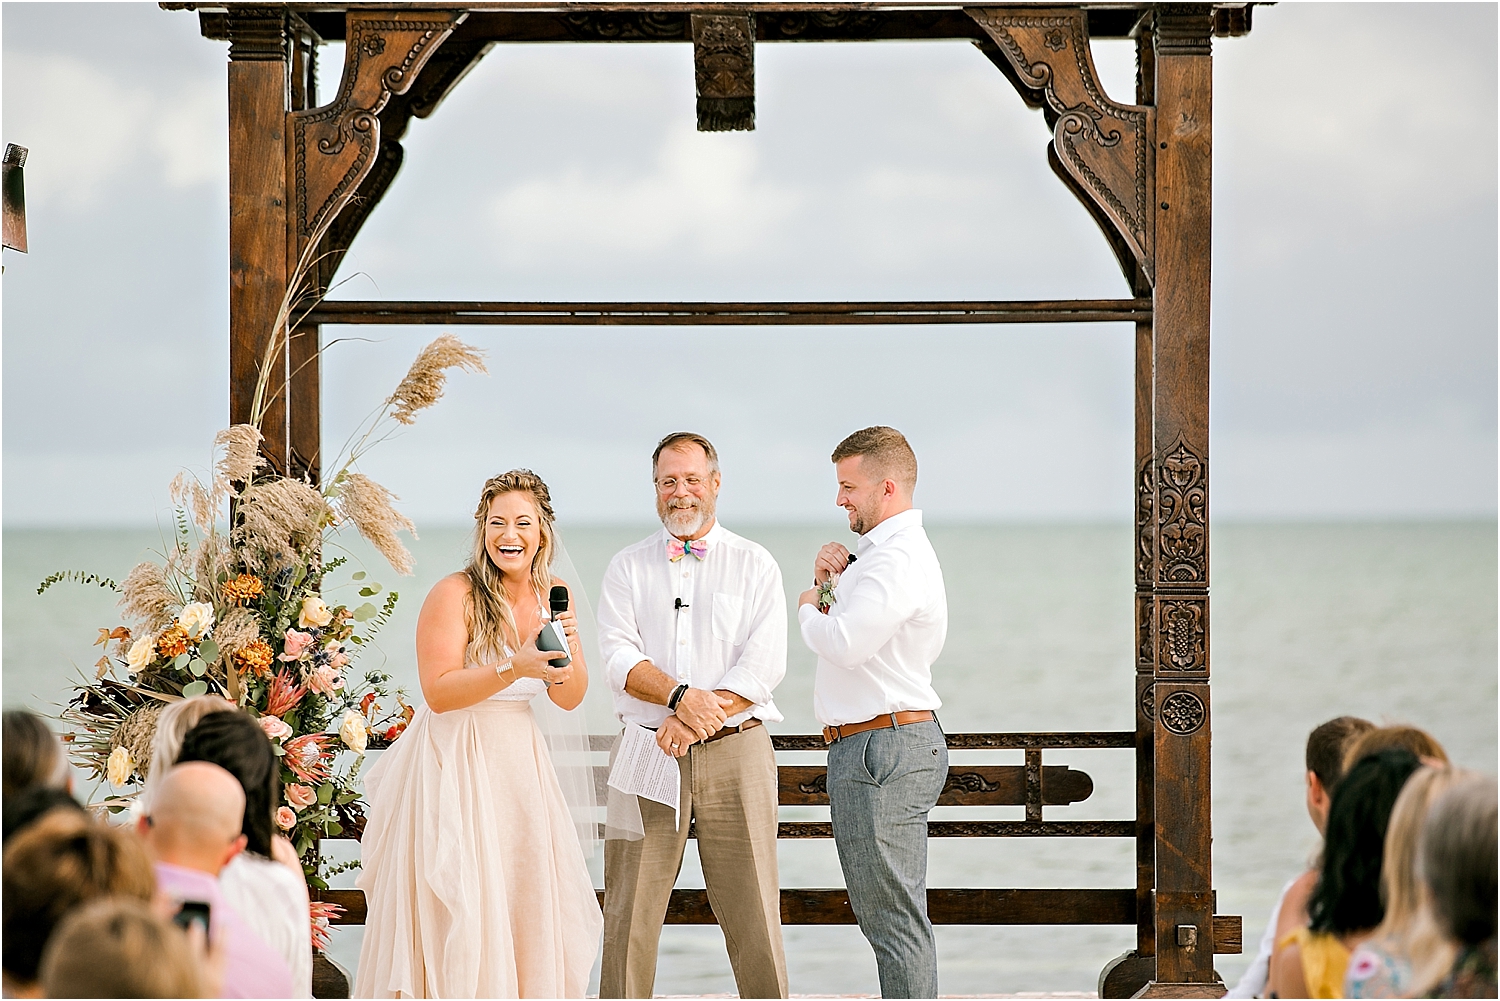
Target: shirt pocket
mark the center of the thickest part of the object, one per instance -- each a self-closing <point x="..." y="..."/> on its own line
<point x="729" y="618"/>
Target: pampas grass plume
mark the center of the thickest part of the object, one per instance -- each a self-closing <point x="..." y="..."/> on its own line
<point x="423" y="385"/>
<point x="278" y="520"/>
<point x="146" y="597"/>
<point x="242" y="458"/>
<point x="368" y="505"/>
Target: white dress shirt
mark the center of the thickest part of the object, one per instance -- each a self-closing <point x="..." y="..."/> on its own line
<point x="730" y="634"/>
<point x="885" y="628"/>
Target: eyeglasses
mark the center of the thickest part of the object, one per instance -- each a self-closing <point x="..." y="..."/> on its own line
<point x="669" y="484"/>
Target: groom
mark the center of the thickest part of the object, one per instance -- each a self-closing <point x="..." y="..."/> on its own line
<point x="692" y="630"/>
<point x="876" y="641"/>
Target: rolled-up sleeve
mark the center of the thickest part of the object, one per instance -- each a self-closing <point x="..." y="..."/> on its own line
<point x="620" y="641"/>
<point x="761" y="663"/>
<point x="868" y="615"/>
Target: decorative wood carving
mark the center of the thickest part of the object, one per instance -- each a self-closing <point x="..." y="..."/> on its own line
<point x="724" y="70"/>
<point x="1182" y="635"/>
<point x="1148" y="700"/>
<point x="1145" y="635"/>
<point x="817" y="23"/>
<point x="1145" y="524"/>
<point x="1183" y="713"/>
<point x="609" y="26"/>
<point x="1103" y="149"/>
<point x="257" y="34"/>
<point x="333" y="149"/>
<point x="1182" y="516"/>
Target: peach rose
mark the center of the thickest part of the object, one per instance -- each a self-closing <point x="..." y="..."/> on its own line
<point x="285" y="818"/>
<point x="300" y="796"/>
<point x="295" y="643"/>
<point x="276" y="728"/>
<point x="314" y="613"/>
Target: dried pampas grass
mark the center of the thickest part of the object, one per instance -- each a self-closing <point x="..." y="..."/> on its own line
<point x="136" y="733"/>
<point x="188" y="494"/>
<point x="368" y="505"/>
<point x="147" y="598"/>
<point x="211" y="559"/>
<point x="423" y="385"/>
<point x="278" y="520"/>
<point x="242" y="458"/>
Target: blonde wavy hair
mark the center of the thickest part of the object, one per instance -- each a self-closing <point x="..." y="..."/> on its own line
<point x="491" y="622"/>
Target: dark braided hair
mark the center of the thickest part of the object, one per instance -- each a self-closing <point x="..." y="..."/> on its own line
<point x="1347" y="897"/>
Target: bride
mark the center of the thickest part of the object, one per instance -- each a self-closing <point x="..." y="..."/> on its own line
<point x="473" y="873"/>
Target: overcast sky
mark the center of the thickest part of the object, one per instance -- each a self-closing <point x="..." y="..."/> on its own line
<point x="1354" y="338"/>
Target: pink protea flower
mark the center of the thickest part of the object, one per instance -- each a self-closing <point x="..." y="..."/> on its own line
<point x="308" y="757"/>
<point x="283" y="695"/>
<point x="321" y="913"/>
<point x="285" y="818"/>
<point x="296" y="643"/>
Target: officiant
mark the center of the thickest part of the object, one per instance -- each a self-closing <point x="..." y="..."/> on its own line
<point x="692" y="629"/>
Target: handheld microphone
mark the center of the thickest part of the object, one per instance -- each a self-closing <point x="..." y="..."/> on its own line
<point x="553" y="636"/>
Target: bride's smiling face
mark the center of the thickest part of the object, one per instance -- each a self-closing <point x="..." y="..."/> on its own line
<point x="513" y="533"/>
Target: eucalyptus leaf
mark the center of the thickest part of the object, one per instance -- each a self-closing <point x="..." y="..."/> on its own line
<point x="334" y="828"/>
<point x="278" y="750"/>
<point x="197" y="667"/>
<point x="325" y="793"/>
<point x="208" y="650"/>
<point x="194" y="688"/>
<point x="347" y="797"/>
<point x="181" y="660"/>
<point x="357" y="575"/>
<point x="366" y="592"/>
<point x="365" y="612"/>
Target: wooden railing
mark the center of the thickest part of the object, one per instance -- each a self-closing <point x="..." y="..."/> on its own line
<point x="1032" y="785"/>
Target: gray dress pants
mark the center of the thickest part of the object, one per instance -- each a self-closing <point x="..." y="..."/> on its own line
<point x="881" y="785"/>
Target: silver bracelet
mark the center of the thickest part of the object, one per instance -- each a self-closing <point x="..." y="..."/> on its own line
<point x="501" y="667"/>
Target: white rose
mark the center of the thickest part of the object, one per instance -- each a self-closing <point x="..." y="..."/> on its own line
<point x="196" y="619"/>
<point x="142" y="652"/>
<point x="314" y="613"/>
<point x="119" y="767"/>
<point x="353" y="731"/>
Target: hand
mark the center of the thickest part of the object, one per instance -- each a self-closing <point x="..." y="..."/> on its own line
<point x="702" y="711"/>
<point x="810" y="597"/>
<point x="674" y="738"/>
<point x="831" y="559"/>
<point x="531" y="662"/>
<point x="569" y="622"/>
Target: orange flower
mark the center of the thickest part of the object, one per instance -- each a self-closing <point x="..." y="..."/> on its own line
<point x="243" y="588"/>
<point x="255" y="658"/>
<point x="173" y="642"/>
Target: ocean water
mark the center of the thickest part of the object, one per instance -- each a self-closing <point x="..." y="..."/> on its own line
<point x="1395" y="622"/>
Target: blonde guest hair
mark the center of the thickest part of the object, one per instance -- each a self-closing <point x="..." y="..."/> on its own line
<point x="171" y="727"/>
<point x="116" y="947"/>
<point x="1409" y="928"/>
<point x="491" y="622"/>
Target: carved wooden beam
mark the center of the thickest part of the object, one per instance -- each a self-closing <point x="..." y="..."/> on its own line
<point x="332" y="150"/>
<point x="1101" y="149"/>
<point x="724" y="71"/>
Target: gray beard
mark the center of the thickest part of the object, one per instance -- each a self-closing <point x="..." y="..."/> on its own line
<point x="683" y="522"/>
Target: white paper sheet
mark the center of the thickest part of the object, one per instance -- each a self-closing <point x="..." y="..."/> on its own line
<point x="643" y="769"/>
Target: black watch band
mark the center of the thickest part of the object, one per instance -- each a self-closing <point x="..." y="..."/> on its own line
<point x="676" y="697"/>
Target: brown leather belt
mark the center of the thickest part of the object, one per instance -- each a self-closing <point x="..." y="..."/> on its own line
<point x="885" y="721"/>
<point x="749" y="724"/>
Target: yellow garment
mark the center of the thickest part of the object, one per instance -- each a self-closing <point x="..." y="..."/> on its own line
<point x="1324" y="960"/>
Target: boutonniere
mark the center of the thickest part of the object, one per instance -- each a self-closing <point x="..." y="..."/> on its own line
<point x="826" y="597"/>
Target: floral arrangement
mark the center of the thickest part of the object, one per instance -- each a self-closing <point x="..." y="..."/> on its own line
<point x="247" y="612"/>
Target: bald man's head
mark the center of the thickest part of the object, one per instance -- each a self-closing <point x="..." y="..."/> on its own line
<point x="195" y="817"/>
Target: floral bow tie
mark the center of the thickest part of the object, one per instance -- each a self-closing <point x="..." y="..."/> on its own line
<point x="677" y="549"/>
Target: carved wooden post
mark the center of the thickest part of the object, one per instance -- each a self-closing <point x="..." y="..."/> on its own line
<point x="258" y="93"/>
<point x="1184" y="148"/>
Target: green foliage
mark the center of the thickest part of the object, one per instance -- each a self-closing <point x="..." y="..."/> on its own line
<point x="76" y="577"/>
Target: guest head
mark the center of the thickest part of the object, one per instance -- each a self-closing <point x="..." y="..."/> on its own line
<point x="877" y="472"/>
<point x="1459" y="858"/>
<point x="195" y="819"/>
<point x="1347" y="897"/>
<point x="685" y="470"/>
<point x="513" y="536"/>
<point x="1325" y="762"/>
<point x="33" y="756"/>
<point x="117" y="947"/>
<point x="61" y="861"/>
<point x="171" y="726"/>
<point x="1381" y="738"/>
<point x="237" y="744"/>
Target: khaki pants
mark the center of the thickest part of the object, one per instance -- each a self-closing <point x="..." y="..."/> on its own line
<point x="729" y="791"/>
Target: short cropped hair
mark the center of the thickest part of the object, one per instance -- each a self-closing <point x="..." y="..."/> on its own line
<point x="887" y="452"/>
<point x="1419" y="742"/>
<point x="1326" y="746"/>
<point x="118" y="948"/>
<point x="1458" y="858"/>
<point x="63" y="860"/>
<point x="677" y="439"/>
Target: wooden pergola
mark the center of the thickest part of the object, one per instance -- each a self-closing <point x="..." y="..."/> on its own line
<point x="304" y="178"/>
